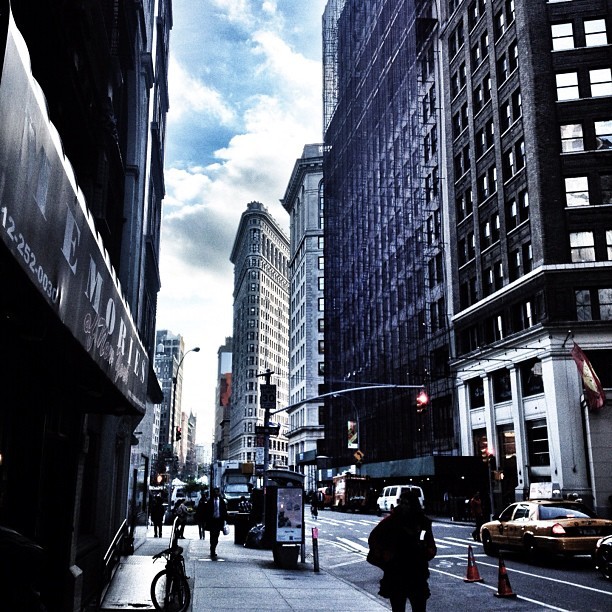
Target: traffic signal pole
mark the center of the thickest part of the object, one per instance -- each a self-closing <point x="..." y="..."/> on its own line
<point x="268" y="403"/>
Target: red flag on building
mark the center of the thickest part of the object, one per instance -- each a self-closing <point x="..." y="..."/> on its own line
<point x="593" y="391"/>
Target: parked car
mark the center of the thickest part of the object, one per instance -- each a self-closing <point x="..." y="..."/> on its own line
<point x="603" y="557"/>
<point x="545" y="526"/>
<point x="389" y="496"/>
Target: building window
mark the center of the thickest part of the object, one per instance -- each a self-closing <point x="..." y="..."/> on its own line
<point x="321" y="281"/>
<point x="593" y="304"/>
<point x="582" y="247"/>
<point x="476" y="393"/>
<point x="321" y="325"/>
<point x="487" y="184"/>
<point x="464" y="204"/>
<point x="517" y="210"/>
<point x="499" y="23"/>
<point x="609" y="244"/>
<point x="455" y="41"/>
<point x="562" y="36"/>
<point x="537" y="443"/>
<point x="531" y="377"/>
<point x="475" y="12"/>
<point x="321" y="263"/>
<point x="321" y="304"/>
<point x="606" y="188"/>
<point x="567" y="86"/>
<point x="595" y="32"/>
<point x="572" y="138"/>
<point x="603" y="134"/>
<point x="501" y="386"/>
<point x="503" y="69"/>
<point x="601" y="82"/>
<point x="583" y="305"/>
<point x="321" y="369"/>
<point x="577" y="191"/>
<point x="321" y="347"/>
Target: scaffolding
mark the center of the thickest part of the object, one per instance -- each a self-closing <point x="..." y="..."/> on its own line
<point x="385" y="316"/>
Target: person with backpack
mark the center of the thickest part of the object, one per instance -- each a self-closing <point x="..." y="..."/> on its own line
<point x="402" y="545"/>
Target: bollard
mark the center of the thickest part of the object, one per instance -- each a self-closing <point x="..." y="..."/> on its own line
<point x="315" y="548"/>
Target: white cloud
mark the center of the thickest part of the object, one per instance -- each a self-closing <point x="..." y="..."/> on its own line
<point x="188" y="95"/>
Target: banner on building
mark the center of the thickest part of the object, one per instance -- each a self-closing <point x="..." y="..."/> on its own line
<point x="593" y="391"/>
<point x="352" y="434"/>
<point x="46" y="226"/>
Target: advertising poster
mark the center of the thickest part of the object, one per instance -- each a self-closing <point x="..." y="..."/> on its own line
<point x="289" y="515"/>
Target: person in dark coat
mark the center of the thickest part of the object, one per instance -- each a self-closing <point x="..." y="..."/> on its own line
<point x="157" y="515"/>
<point x="405" y="541"/>
<point x="215" y="517"/>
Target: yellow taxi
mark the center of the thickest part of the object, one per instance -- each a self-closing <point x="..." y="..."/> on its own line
<point x="545" y="526"/>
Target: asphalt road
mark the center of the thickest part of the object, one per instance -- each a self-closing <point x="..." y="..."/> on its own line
<point x="553" y="584"/>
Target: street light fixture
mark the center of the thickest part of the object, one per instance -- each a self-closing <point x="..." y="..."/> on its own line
<point x="174" y="385"/>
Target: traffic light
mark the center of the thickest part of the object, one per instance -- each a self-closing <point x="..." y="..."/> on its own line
<point x="179" y="434"/>
<point x="422" y="400"/>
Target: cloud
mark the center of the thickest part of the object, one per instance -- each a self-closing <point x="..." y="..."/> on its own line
<point x="190" y="95"/>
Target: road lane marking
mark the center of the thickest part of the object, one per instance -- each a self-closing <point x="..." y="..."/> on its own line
<point x="531" y="575"/>
<point x="354" y="545"/>
<point x="360" y="560"/>
<point x="492" y="588"/>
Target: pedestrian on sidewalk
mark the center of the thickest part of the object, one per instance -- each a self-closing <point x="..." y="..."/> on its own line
<point x="215" y="516"/>
<point x="199" y="517"/>
<point x="403" y="543"/>
<point x="157" y="515"/>
<point x="477" y="514"/>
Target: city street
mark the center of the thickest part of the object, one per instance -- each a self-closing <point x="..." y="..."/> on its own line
<point x="554" y="584"/>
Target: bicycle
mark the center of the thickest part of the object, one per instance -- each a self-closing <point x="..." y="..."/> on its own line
<point x="170" y="590"/>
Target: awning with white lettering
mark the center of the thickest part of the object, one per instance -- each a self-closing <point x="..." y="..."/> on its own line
<point x="48" y="229"/>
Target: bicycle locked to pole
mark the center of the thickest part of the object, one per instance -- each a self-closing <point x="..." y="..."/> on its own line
<point x="170" y="588"/>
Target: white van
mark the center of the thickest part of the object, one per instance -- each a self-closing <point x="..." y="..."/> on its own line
<point x="389" y="497"/>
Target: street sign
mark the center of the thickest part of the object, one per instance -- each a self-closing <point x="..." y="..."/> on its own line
<point x="272" y="430"/>
<point x="267" y="397"/>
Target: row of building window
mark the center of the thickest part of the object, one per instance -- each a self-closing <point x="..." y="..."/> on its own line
<point x="594" y="135"/>
<point x="593" y="83"/>
<point x="583" y="33"/>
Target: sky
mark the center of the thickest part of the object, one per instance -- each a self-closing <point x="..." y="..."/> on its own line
<point x="245" y="86"/>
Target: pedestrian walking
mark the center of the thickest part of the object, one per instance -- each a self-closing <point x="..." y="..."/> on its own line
<point x="402" y="545"/>
<point x="314" y="511"/>
<point x="199" y="517"/>
<point x="215" y="516"/>
<point x="157" y="515"/>
<point x="477" y="514"/>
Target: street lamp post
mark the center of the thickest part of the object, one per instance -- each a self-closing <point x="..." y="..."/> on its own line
<point x="174" y="385"/>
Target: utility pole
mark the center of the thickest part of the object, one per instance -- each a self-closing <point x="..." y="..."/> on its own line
<point x="267" y="400"/>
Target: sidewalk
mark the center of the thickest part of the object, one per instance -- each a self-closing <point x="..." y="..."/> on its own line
<point x="240" y="579"/>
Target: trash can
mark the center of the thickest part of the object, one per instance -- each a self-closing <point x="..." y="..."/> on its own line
<point x="286" y="555"/>
<point x="241" y="527"/>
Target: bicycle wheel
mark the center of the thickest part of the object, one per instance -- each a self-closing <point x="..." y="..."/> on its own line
<point x="170" y="592"/>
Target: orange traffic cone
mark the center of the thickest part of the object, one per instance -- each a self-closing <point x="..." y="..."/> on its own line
<point x="503" y="588"/>
<point x="472" y="571"/>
